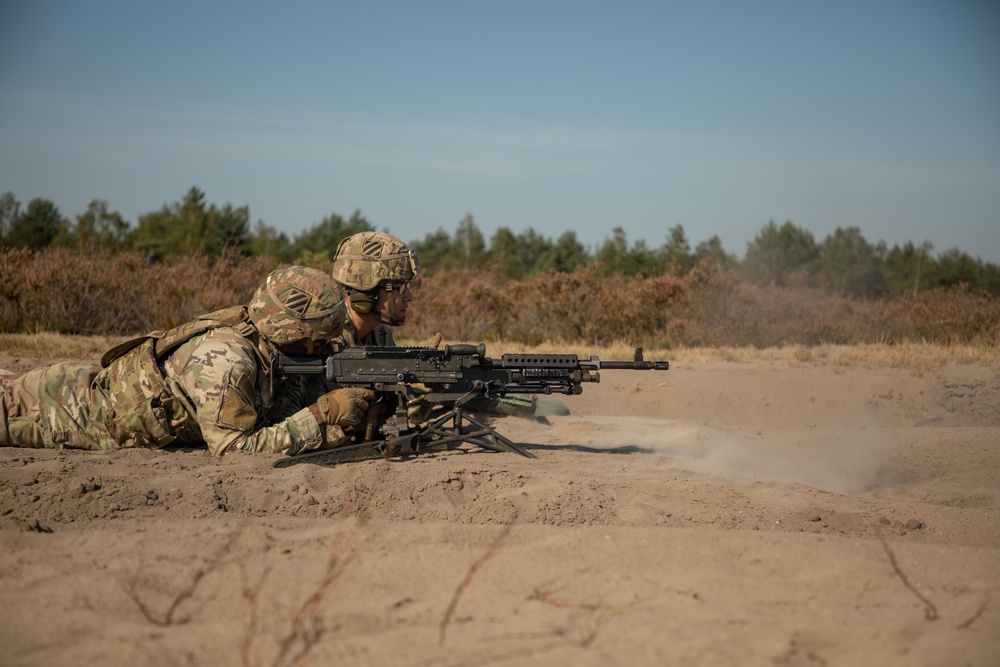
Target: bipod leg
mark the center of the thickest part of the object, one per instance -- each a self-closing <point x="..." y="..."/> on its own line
<point x="464" y="428"/>
<point x="495" y="442"/>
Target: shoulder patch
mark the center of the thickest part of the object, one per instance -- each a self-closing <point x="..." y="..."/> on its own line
<point x="236" y="409"/>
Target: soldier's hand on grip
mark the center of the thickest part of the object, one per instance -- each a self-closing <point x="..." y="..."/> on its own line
<point x="342" y="407"/>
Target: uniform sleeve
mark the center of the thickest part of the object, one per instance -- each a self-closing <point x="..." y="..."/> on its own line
<point x="220" y="379"/>
<point x="296" y="434"/>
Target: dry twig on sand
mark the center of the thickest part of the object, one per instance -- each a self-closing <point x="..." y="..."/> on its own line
<point x="485" y="556"/>
<point x="250" y="595"/>
<point x="305" y="627"/>
<point x="979" y="612"/>
<point x="930" y="611"/>
<point x="598" y="611"/>
<point x="213" y="563"/>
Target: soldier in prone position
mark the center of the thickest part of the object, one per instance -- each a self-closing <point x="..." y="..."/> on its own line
<point x="375" y="270"/>
<point x="206" y="382"/>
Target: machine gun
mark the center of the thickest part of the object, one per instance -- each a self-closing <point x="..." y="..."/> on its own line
<point x="444" y="380"/>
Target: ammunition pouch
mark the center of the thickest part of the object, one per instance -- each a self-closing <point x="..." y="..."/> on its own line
<point x="143" y="412"/>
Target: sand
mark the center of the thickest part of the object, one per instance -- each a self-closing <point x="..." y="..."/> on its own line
<point x="721" y="513"/>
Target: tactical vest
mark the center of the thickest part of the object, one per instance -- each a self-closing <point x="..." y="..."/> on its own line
<point x="143" y="412"/>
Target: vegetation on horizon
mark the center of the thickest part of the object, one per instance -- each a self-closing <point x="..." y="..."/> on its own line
<point x="844" y="264"/>
<point x="108" y="293"/>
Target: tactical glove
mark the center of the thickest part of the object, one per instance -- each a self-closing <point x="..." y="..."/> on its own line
<point x="342" y="407"/>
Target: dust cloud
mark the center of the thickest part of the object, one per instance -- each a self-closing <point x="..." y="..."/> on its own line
<point x="844" y="461"/>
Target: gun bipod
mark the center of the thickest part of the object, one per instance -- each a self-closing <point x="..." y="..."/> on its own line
<point x="478" y="433"/>
<point x="436" y="435"/>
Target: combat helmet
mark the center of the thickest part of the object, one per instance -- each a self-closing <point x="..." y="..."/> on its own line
<point x="369" y="260"/>
<point x="298" y="303"/>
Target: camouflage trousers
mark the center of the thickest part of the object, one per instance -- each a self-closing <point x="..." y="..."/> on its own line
<point x="53" y="406"/>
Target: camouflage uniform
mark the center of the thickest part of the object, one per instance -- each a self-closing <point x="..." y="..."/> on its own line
<point x="206" y="382"/>
<point x="53" y="406"/>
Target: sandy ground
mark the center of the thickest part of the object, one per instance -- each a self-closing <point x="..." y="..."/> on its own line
<point x="717" y="514"/>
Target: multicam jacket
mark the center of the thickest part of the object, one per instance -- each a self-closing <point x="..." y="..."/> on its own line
<point x="206" y="382"/>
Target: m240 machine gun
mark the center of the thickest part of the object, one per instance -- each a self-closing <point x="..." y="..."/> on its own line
<point x="439" y="383"/>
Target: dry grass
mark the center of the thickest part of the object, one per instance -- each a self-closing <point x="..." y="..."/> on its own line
<point x="915" y="357"/>
<point x="56" y="346"/>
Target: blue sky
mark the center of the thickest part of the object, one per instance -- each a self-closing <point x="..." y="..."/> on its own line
<point x="718" y="116"/>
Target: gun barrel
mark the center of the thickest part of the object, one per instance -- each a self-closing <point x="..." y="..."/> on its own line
<point x="636" y="365"/>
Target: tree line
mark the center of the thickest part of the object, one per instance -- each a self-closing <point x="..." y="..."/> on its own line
<point x="843" y="264"/>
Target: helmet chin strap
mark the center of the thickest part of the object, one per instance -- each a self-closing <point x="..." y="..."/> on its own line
<point x="390" y="317"/>
<point x="265" y="348"/>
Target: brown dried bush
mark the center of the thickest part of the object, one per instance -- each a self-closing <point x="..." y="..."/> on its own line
<point x="60" y="291"/>
<point x="546" y="307"/>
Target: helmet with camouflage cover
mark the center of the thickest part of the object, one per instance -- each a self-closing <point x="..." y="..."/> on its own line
<point x="367" y="260"/>
<point x="298" y="303"/>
